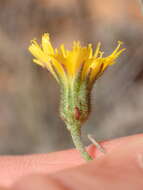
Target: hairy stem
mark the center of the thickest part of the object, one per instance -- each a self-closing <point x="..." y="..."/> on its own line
<point x="76" y="137"/>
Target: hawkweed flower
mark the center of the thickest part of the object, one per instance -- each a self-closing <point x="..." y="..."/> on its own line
<point x="76" y="71"/>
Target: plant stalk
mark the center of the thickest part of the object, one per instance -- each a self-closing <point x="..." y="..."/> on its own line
<point x="76" y="137"/>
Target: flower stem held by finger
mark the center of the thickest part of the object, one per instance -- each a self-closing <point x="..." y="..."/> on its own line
<point x="76" y="71"/>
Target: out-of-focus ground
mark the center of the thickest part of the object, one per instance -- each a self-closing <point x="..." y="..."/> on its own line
<point x="29" y="96"/>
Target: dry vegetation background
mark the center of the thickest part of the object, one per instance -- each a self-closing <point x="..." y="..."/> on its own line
<point x="29" y="96"/>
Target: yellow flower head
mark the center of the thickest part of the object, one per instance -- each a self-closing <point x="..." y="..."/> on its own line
<point x="76" y="70"/>
<point x="65" y="64"/>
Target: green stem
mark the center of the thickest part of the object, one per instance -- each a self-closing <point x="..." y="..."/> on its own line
<point x="76" y="137"/>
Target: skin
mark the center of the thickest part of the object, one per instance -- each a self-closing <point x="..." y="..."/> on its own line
<point x="120" y="168"/>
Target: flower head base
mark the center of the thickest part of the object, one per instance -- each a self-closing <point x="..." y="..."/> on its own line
<point x="65" y="64"/>
<point x="76" y="71"/>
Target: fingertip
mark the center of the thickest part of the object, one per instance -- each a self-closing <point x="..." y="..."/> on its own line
<point x="120" y="168"/>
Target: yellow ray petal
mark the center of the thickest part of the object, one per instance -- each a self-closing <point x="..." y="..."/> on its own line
<point x="97" y="50"/>
<point x="38" y="62"/>
<point x="46" y="44"/>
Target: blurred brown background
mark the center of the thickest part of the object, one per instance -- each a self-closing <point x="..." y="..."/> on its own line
<point x="29" y="96"/>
